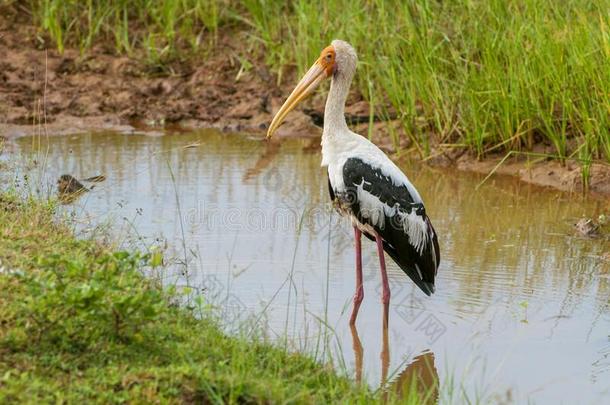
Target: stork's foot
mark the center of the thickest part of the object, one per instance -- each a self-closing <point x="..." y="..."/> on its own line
<point x="358" y="297"/>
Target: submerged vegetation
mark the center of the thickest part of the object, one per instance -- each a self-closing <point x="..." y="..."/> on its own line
<point x="489" y="75"/>
<point x="79" y="322"/>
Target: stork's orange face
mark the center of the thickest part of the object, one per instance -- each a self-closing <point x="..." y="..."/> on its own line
<point x="327" y="60"/>
<point x="324" y="67"/>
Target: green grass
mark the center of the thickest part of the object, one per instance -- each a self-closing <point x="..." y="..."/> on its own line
<point x="478" y="73"/>
<point x="166" y="29"/>
<point x="498" y="75"/>
<point x="80" y="324"/>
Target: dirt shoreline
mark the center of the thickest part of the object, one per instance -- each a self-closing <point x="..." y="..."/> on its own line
<point x="44" y="92"/>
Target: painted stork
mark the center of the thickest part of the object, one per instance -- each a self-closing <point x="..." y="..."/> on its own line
<point x="364" y="184"/>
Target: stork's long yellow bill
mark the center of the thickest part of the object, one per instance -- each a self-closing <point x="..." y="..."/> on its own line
<point x="318" y="72"/>
<point x="306" y="86"/>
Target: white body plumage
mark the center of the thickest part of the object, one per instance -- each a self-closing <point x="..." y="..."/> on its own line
<point x="364" y="183"/>
<point x="369" y="188"/>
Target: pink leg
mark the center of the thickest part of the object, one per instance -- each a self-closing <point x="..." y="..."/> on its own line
<point x="384" y="275"/>
<point x="359" y="296"/>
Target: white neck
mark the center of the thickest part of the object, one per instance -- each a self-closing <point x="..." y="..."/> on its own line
<point x="334" y="113"/>
<point x="335" y="128"/>
<point x="337" y="138"/>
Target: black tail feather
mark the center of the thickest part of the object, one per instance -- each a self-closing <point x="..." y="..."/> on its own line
<point x="426" y="286"/>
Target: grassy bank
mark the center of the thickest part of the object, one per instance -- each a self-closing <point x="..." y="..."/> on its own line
<point x="495" y="75"/>
<point x="79" y="324"/>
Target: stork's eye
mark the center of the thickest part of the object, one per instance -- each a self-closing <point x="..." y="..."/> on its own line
<point x="329" y="57"/>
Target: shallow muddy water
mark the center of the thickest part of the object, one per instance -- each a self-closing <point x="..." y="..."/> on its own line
<point x="521" y="310"/>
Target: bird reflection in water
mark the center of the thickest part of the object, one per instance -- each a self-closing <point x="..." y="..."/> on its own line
<point x="419" y="377"/>
<point x="271" y="151"/>
<point x="269" y="154"/>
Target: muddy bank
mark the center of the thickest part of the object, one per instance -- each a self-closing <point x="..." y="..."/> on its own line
<point x="72" y="91"/>
<point x="45" y="92"/>
<point x="548" y="173"/>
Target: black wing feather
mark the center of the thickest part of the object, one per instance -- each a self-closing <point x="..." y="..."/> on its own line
<point x="396" y="241"/>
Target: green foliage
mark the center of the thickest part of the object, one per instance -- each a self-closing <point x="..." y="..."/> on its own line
<point x="66" y="296"/>
<point x="130" y="23"/>
<point x="80" y="324"/>
<point x="488" y="74"/>
<point x="265" y="18"/>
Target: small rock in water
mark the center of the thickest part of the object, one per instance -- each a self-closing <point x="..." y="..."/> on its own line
<point x="587" y="227"/>
<point x="69" y="188"/>
<point x="67" y="184"/>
